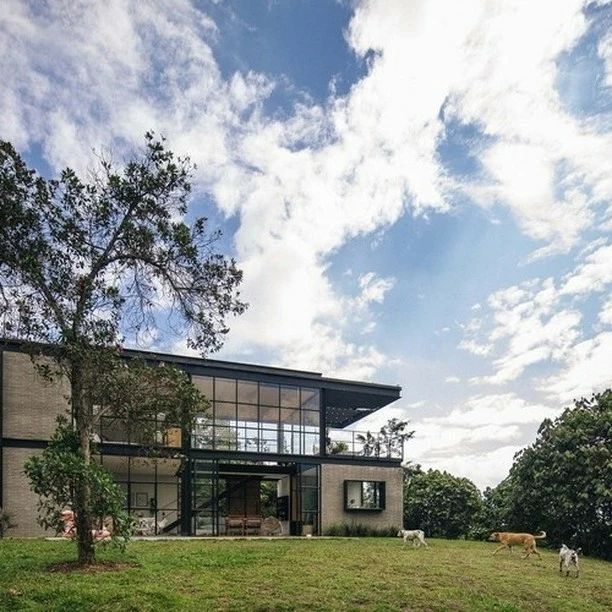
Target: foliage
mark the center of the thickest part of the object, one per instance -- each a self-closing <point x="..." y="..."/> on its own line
<point x="492" y="513"/>
<point x="83" y="264"/>
<point x="388" y="442"/>
<point x="359" y="530"/>
<point x="6" y="522"/>
<point x="79" y="261"/>
<point x="301" y="574"/>
<point x="563" y="482"/>
<point x="60" y="470"/>
<point x="337" y="447"/>
<point x="268" y="497"/>
<point x="440" y="504"/>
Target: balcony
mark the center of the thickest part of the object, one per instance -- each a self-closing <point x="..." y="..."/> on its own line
<point x="347" y="442"/>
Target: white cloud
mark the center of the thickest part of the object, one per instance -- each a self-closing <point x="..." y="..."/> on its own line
<point x="594" y="275"/>
<point x="541" y="321"/>
<point x="483" y="428"/>
<point x="485" y="469"/>
<point x="605" y="314"/>
<point x="497" y="409"/>
<point x="604" y="49"/>
<point x="586" y="370"/>
<point x="475" y="348"/>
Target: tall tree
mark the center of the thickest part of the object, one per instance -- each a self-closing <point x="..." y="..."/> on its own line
<point x="562" y="483"/>
<point x="82" y="263"/>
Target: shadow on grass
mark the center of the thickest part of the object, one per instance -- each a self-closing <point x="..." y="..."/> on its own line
<point x="66" y="567"/>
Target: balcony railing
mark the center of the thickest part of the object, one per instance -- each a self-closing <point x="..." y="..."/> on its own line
<point x="362" y="444"/>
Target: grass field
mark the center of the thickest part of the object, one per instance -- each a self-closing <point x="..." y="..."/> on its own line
<point x="326" y="574"/>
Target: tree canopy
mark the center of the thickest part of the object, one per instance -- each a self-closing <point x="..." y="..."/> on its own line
<point x="439" y="503"/>
<point x="562" y="483"/>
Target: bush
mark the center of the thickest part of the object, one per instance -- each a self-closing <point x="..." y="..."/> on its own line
<point x="440" y="504"/>
<point x="359" y="530"/>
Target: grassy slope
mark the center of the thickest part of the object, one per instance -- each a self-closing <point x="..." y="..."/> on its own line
<point x="348" y="574"/>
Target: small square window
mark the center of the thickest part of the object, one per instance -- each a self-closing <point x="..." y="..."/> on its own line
<point x="364" y="495"/>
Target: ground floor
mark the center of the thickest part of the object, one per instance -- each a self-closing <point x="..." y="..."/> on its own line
<point x="219" y="496"/>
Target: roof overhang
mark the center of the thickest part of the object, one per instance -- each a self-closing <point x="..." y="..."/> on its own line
<point x="346" y="402"/>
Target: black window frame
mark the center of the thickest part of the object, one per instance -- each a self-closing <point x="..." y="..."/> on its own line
<point x="381" y="494"/>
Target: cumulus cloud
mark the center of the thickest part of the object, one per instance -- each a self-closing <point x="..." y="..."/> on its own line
<point x="586" y="370"/>
<point x="540" y="320"/>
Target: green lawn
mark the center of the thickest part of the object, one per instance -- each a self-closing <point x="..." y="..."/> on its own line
<point x="327" y="574"/>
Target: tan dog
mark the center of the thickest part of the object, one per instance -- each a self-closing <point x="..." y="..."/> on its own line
<point x="526" y="540"/>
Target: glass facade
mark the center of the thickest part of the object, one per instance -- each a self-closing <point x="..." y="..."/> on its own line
<point x="217" y="494"/>
<point x="152" y="491"/>
<point x="258" y="417"/>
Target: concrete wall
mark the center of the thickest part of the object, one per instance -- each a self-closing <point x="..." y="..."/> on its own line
<point x="19" y="500"/>
<point x="332" y="495"/>
<point x="30" y="404"/>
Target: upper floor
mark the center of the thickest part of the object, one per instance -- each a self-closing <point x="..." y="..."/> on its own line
<point x="254" y="410"/>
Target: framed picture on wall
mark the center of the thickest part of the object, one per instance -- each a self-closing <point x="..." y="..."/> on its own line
<point x="140" y="499"/>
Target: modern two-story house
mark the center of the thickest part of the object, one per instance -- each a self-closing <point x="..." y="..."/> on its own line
<point x="275" y="442"/>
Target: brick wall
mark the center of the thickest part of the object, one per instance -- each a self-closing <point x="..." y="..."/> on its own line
<point x="332" y="495"/>
<point x="30" y="404"/>
<point x="19" y="500"/>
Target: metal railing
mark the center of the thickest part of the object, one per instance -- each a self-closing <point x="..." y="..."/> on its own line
<point x="362" y="444"/>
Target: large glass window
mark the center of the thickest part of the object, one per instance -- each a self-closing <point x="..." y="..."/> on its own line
<point x="251" y="416"/>
<point x="364" y="495"/>
<point x="152" y="491"/>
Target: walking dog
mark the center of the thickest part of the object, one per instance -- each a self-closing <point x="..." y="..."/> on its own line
<point x="568" y="558"/>
<point x="508" y="540"/>
<point x="417" y="536"/>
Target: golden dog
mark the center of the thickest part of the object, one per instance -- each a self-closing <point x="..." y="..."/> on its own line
<point x="526" y="540"/>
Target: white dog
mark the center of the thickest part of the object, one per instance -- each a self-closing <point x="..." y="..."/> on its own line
<point x="416" y="535"/>
<point x="568" y="558"/>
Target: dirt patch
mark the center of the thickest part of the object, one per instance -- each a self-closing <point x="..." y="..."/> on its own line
<point x="66" y="567"/>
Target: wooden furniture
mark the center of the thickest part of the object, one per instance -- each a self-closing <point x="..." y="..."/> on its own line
<point x="234" y="525"/>
<point x="252" y="525"/>
<point x="242" y="525"/>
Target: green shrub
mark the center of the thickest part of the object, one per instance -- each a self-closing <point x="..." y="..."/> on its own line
<point x="359" y="530"/>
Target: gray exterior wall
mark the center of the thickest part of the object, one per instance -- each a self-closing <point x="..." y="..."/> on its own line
<point x="19" y="500"/>
<point x="30" y="404"/>
<point x="332" y="495"/>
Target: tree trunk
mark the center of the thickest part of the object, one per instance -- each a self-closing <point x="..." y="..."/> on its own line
<point x="82" y="510"/>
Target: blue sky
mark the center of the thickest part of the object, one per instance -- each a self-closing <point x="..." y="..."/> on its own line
<point x="419" y="193"/>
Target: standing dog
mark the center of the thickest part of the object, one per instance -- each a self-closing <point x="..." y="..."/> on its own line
<point x="568" y="558"/>
<point x="526" y="540"/>
<point x="416" y="535"/>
